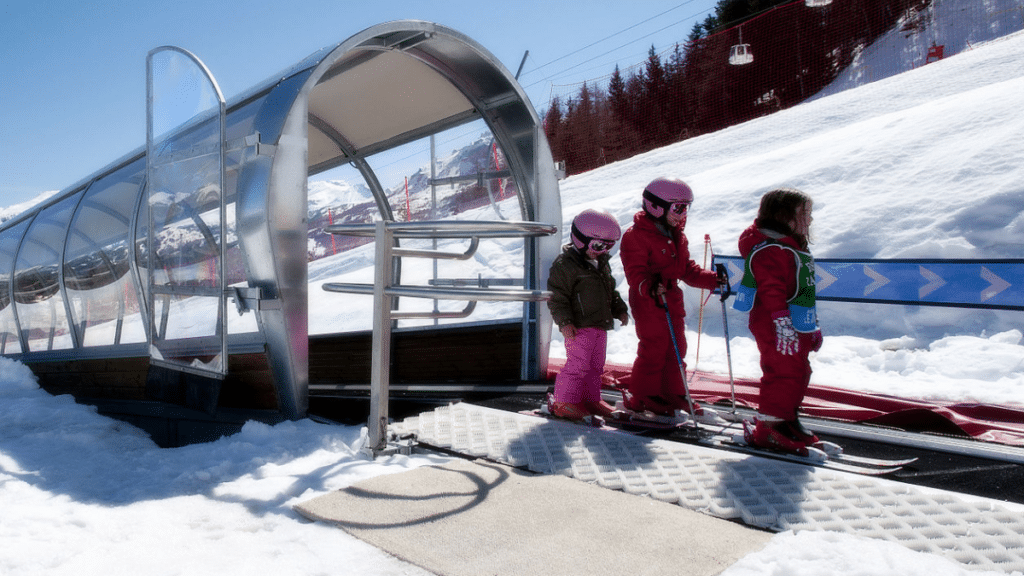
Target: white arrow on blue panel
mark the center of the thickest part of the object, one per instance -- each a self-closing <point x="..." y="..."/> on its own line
<point x="934" y="283"/>
<point x="879" y="281"/>
<point x="734" y="270"/>
<point x="997" y="284"/>
<point x="824" y="279"/>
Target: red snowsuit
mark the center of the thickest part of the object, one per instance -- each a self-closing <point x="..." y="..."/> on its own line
<point x="784" y="378"/>
<point x="648" y="254"/>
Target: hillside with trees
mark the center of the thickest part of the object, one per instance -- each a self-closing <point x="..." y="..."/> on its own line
<point x="698" y="87"/>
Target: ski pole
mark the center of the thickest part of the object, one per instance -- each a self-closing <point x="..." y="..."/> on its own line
<point x="725" y="293"/>
<point x="700" y="317"/>
<point x="720" y="268"/>
<point x="679" y="358"/>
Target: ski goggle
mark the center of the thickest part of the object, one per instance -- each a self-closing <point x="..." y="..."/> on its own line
<point x="601" y="246"/>
<point x="679" y="208"/>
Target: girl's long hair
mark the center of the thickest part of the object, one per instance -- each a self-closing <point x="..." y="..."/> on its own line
<point x="778" y="209"/>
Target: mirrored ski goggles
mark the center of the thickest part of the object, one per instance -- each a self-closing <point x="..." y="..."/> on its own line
<point x="601" y="246"/>
<point x="679" y="208"/>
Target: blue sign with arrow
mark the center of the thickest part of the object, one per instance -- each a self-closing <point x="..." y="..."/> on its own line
<point x="997" y="284"/>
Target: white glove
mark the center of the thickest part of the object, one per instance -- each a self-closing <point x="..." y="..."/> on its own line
<point x="786" y="341"/>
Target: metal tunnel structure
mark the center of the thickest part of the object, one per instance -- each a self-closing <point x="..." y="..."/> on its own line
<point x="178" y="275"/>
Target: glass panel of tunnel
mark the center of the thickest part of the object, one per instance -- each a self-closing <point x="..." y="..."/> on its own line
<point x="185" y="155"/>
<point x="238" y="151"/>
<point x="102" y="291"/>
<point x="339" y="196"/>
<point x="37" y="295"/>
<point x="10" y="239"/>
<point x="457" y="174"/>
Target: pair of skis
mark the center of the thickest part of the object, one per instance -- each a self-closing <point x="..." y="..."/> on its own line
<point x="821" y="454"/>
<point x="730" y="437"/>
<point x="619" y="421"/>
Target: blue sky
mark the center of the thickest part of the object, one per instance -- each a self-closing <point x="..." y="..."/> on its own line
<point x="72" y="74"/>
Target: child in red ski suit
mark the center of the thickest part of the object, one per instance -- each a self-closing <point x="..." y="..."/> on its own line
<point x="778" y="290"/>
<point x="656" y="257"/>
<point x="584" y="305"/>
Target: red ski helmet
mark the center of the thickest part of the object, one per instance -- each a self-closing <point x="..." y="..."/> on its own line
<point x="664" y="192"/>
<point x="594" y="225"/>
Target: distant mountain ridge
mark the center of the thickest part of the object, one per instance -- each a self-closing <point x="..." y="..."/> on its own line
<point x="338" y="201"/>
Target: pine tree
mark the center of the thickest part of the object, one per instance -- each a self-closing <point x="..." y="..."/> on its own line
<point x="653" y="102"/>
<point x="553" y="124"/>
<point x="619" y="142"/>
<point x="696" y="33"/>
<point x="675" y="113"/>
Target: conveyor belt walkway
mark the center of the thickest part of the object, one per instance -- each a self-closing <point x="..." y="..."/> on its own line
<point x="977" y="532"/>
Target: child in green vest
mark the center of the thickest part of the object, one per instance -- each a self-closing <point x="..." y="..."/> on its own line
<point x="778" y="291"/>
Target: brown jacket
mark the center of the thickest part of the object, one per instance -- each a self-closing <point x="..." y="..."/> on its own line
<point x="583" y="295"/>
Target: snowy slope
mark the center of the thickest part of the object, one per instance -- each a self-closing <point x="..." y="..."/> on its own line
<point x="955" y="25"/>
<point x="925" y="164"/>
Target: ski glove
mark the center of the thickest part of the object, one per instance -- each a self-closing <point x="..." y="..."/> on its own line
<point x="816" y="341"/>
<point x="786" y="341"/>
<point x="656" y="290"/>
<point x="723" y="281"/>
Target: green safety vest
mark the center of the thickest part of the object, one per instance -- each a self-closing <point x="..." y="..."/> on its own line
<point x="801" y="304"/>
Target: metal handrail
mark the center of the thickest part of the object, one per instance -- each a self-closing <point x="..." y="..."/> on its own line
<point x="383" y="291"/>
<point x="474" y="244"/>
<point x="444" y="293"/>
<point x="449" y="229"/>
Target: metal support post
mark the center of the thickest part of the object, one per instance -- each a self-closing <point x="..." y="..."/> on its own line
<point x="377" y="426"/>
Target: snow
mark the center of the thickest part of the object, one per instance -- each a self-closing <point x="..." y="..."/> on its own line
<point x="16" y="209"/>
<point x="924" y="164"/>
<point x="324" y="194"/>
<point x="83" y="494"/>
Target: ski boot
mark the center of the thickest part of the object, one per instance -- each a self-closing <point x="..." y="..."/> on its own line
<point x="772" y="435"/>
<point x="575" y="411"/>
<point x="701" y="413"/>
<point x="653" y="408"/>
<point x="795" y="429"/>
<point x="601" y="408"/>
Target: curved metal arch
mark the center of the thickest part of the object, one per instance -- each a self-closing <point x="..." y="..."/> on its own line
<point x="490" y="91"/>
<point x="352" y="78"/>
<point x="22" y="337"/>
<point x="492" y="94"/>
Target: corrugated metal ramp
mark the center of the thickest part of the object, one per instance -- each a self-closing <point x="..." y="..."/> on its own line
<point x="980" y="533"/>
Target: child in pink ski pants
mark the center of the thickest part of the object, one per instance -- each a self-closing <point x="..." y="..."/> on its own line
<point x="584" y="305"/>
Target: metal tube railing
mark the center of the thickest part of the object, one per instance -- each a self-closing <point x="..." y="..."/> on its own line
<point x="384" y="290"/>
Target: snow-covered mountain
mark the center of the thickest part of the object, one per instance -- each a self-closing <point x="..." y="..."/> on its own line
<point x="333" y="193"/>
<point x="926" y="163"/>
<point x="339" y="201"/>
<point x="16" y="209"/>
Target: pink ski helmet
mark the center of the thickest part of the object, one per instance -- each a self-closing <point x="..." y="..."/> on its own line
<point x="594" y="225"/>
<point x="664" y="192"/>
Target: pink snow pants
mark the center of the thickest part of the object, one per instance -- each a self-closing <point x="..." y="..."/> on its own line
<point x="580" y="379"/>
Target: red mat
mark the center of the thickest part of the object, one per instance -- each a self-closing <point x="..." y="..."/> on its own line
<point x="986" y="422"/>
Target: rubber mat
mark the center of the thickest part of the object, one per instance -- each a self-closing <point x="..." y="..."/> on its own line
<point x="977" y="532"/>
